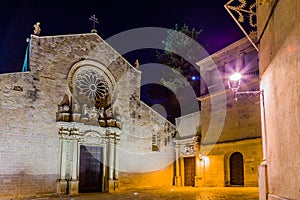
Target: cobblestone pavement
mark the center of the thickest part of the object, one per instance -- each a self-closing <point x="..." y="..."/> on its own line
<point x="168" y="193"/>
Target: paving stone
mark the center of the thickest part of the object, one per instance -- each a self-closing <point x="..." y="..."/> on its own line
<point x="168" y="193"/>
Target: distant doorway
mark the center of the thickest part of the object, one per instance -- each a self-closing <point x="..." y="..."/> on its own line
<point x="236" y="169"/>
<point x="189" y="171"/>
<point x="90" y="169"/>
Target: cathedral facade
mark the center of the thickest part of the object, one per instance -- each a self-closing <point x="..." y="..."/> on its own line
<point x="75" y="123"/>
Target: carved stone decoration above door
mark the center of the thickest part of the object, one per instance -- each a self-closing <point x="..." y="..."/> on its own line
<point x="86" y="150"/>
<point x="71" y="111"/>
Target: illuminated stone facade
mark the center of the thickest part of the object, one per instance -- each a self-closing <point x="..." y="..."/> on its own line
<point x="228" y="156"/>
<point x="75" y="123"/>
<point x="279" y="53"/>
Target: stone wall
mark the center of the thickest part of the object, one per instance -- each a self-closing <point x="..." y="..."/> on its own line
<point x="29" y="143"/>
<point x="188" y="125"/>
<point x="215" y="165"/>
<point x="230" y="123"/>
<point x="279" y="64"/>
<point x="242" y="119"/>
<point x="162" y="177"/>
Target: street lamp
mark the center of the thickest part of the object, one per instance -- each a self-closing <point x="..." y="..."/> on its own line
<point x="234" y="83"/>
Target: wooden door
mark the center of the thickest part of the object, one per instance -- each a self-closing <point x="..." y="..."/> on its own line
<point x="236" y="169"/>
<point x="189" y="171"/>
<point x="91" y="169"/>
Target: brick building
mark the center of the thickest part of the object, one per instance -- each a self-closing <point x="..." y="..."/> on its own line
<point x="224" y="148"/>
<point x="75" y="122"/>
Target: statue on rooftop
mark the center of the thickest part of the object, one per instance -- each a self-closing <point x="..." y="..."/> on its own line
<point x="137" y="64"/>
<point x="37" y="28"/>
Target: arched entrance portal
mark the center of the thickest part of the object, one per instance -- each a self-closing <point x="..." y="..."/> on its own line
<point x="236" y="169"/>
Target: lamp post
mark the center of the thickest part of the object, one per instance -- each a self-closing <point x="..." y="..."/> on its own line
<point x="234" y="85"/>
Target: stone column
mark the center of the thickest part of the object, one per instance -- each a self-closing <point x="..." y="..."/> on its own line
<point x="178" y="181"/>
<point x="110" y="162"/>
<point x="73" y="184"/>
<point x="182" y="175"/>
<point x="198" y="176"/>
<point x="62" y="183"/>
<point x="116" y="162"/>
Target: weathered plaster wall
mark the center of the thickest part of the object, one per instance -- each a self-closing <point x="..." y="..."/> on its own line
<point x="279" y="63"/>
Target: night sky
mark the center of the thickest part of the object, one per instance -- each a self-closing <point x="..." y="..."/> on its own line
<point x="58" y="17"/>
<point x="70" y="17"/>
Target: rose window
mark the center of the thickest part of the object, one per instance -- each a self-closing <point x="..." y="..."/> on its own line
<point x="91" y="84"/>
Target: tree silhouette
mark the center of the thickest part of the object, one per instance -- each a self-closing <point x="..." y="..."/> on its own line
<point x="180" y="66"/>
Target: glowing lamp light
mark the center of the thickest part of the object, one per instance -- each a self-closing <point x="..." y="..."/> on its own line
<point x="205" y="160"/>
<point x="234" y="82"/>
<point x="235" y="77"/>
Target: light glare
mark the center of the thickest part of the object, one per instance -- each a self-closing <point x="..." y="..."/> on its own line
<point x="235" y="77"/>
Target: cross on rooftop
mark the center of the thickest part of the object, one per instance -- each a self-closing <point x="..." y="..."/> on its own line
<point x="94" y="20"/>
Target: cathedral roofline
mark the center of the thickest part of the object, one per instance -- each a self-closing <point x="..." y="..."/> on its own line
<point x="66" y="35"/>
<point x="87" y="34"/>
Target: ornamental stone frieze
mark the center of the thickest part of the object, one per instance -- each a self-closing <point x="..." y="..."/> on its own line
<point x="69" y="111"/>
<point x="88" y="134"/>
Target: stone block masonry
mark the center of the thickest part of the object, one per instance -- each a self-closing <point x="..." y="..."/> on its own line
<point x="216" y="170"/>
<point x="29" y="145"/>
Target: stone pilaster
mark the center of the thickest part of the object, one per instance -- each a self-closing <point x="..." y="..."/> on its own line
<point x="198" y="175"/>
<point x="178" y="181"/>
<point x="74" y="183"/>
<point x="116" y="161"/>
<point x="62" y="183"/>
<point x="61" y="187"/>
<point x="110" y="162"/>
